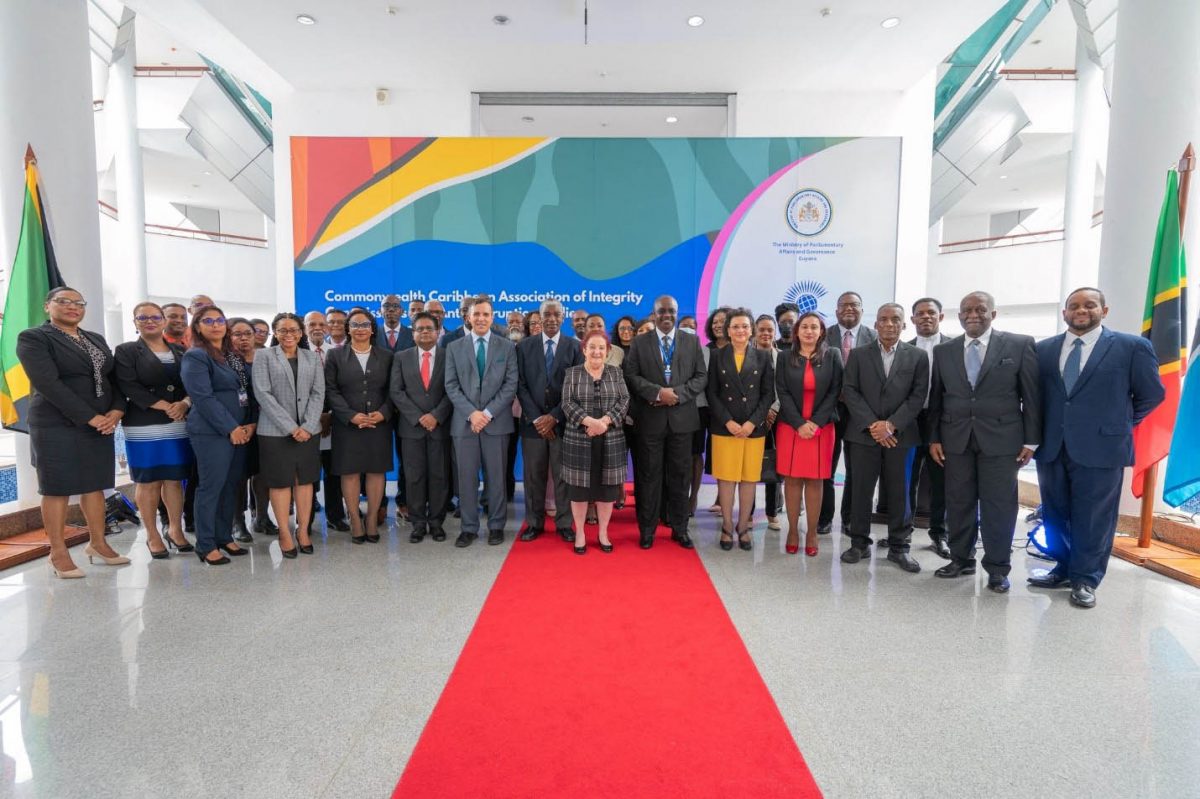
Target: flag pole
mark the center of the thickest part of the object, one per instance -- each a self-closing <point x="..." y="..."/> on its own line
<point x="1187" y="164"/>
<point x="29" y="156"/>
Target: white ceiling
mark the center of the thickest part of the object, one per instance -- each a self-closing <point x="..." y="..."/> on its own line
<point x="640" y="45"/>
<point x="523" y="120"/>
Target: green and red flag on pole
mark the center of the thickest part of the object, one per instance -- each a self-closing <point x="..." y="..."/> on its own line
<point x="1163" y="323"/>
<point x="34" y="272"/>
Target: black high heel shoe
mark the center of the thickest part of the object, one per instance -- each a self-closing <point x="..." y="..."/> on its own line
<point x="290" y="554"/>
<point x="307" y="550"/>
<point x="357" y="539"/>
<point x="581" y="550"/>
<point x="744" y="541"/>
<point x="218" y="562"/>
<point x="374" y="539"/>
<point x="232" y="552"/>
<point x="605" y="547"/>
<point x="163" y="555"/>
<point x="185" y="547"/>
<point x="726" y="543"/>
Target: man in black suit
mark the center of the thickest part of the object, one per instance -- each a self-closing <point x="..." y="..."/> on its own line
<point x="847" y="334"/>
<point x="464" y="313"/>
<point x="542" y="363"/>
<point x="666" y="373"/>
<point x="985" y="421"/>
<point x="396" y="337"/>
<point x="418" y="389"/>
<point x="886" y="383"/>
<point x="927" y="478"/>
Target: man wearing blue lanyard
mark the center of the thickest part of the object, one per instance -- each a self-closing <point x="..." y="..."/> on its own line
<point x="665" y="373"/>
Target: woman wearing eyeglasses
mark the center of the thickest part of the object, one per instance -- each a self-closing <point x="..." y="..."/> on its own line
<point x="74" y="407"/>
<point x="290" y="386"/>
<point x="357" y="377"/>
<point x="221" y="423"/>
<point x="251" y="491"/>
<point x="156" y="438"/>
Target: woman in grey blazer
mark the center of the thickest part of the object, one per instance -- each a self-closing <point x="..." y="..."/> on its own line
<point x="289" y="384"/>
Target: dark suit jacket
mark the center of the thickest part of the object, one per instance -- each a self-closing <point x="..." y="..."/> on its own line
<point x="61" y="376"/>
<point x="740" y="397"/>
<point x="404" y="339"/>
<point x="413" y="400"/>
<point x="789" y="387"/>
<point x="643" y="368"/>
<point x="866" y="334"/>
<point x="1118" y="387"/>
<point x="923" y="416"/>
<point x="214" y="389"/>
<point x="142" y="378"/>
<point x="1003" y="411"/>
<point x="896" y="398"/>
<point x="349" y="390"/>
<point x="538" y="392"/>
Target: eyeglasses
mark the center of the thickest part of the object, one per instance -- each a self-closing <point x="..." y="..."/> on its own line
<point x="287" y="331"/>
<point x="148" y="318"/>
<point x="360" y="325"/>
<point x="391" y="306"/>
<point x="423" y="329"/>
<point x="63" y="302"/>
<point x="209" y="321"/>
<point x="625" y="329"/>
<point x="242" y="334"/>
<point x="849" y="305"/>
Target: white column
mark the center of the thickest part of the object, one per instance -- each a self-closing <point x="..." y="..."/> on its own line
<point x="1155" y="113"/>
<point x="46" y="94"/>
<point x="1079" y="264"/>
<point x="125" y="276"/>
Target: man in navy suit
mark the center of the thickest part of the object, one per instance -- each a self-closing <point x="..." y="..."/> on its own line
<point x="395" y="337"/>
<point x="1097" y="385"/>
<point x="542" y="363"/>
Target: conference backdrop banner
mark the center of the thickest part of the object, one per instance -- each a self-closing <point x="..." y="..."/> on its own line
<point x="601" y="224"/>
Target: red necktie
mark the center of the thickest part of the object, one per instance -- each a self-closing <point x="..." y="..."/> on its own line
<point x="847" y="345"/>
<point x="392" y="339"/>
<point x="425" y="368"/>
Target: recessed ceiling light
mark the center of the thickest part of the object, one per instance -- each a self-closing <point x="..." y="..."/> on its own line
<point x="1004" y="177"/>
<point x="500" y="19"/>
<point x="526" y="119"/>
<point x="695" y="21"/>
<point x="890" y="22"/>
<point x="306" y="19"/>
<point x="671" y="120"/>
<point x="207" y="172"/>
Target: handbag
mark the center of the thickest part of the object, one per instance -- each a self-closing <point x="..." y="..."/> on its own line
<point x="769" y="475"/>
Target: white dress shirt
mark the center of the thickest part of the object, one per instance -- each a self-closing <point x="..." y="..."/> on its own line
<point x="1089" y="340"/>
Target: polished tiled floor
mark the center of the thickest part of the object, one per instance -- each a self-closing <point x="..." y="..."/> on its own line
<point x="313" y="678"/>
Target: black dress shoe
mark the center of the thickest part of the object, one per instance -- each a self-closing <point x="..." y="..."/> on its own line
<point x="1083" y="596"/>
<point x="495" y="537"/>
<point x="566" y="534"/>
<point x="854" y="555"/>
<point x="998" y="584"/>
<point x="942" y="548"/>
<point x="683" y="539"/>
<point x="1047" y="578"/>
<point x="240" y="533"/>
<point x="953" y="569"/>
<point x="438" y="534"/>
<point x="465" y="540"/>
<point x="338" y="524"/>
<point x="645" y="540"/>
<point x="416" y="536"/>
<point x="904" y="561"/>
<point x="530" y="533"/>
<point x="825" y="529"/>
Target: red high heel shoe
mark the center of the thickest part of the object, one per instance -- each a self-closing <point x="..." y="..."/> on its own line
<point x="792" y="549"/>
<point x="811" y="551"/>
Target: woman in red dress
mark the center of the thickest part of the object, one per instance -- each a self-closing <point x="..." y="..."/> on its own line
<point x="808" y="380"/>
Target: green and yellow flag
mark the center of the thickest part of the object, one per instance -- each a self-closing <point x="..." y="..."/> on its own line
<point x="34" y="272"/>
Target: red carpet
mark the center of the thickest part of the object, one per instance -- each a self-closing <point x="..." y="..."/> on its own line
<point x="605" y="675"/>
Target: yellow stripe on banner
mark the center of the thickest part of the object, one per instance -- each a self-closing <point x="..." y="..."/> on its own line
<point x="31" y="184"/>
<point x="8" y="410"/>
<point x="1169" y="368"/>
<point x="18" y="382"/>
<point x="1169" y="294"/>
<point x="442" y="161"/>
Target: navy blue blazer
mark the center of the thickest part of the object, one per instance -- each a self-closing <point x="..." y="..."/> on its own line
<point x="1118" y="387"/>
<point x="538" y="392"/>
<point x="214" y="389"/>
<point x="404" y="338"/>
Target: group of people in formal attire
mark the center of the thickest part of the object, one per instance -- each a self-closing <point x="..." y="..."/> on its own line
<point x="217" y="422"/>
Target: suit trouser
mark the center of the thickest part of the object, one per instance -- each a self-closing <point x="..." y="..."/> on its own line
<point x="510" y="464"/>
<point x="471" y="451"/>
<point x="889" y="466"/>
<point x="1080" y="505"/>
<point x="826" y="516"/>
<point x="664" y="467"/>
<point x="927" y="473"/>
<point x="543" y="458"/>
<point x="981" y="502"/>
<point x="425" y="479"/>
<point x="401" y="484"/>
<point x="222" y="466"/>
<point x="189" y="495"/>
<point x="335" y="511"/>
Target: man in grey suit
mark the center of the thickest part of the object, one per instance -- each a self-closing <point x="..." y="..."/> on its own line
<point x="418" y="389"/>
<point x="885" y="386"/>
<point x="481" y="382"/>
<point x="985" y="422"/>
<point x="847" y="334"/>
<point x="542" y="362"/>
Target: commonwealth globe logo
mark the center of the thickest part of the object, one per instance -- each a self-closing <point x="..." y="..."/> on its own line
<point x="806" y="294"/>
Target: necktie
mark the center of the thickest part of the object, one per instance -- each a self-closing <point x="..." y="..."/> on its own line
<point x="549" y="356"/>
<point x="1072" y="366"/>
<point x="847" y="345"/>
<point x="974" y="362"/>
<point x="321" y="354"/>
<point x="392" y="339"/>
<point x="480" y="357"/>
<point x="425" y="367"/>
